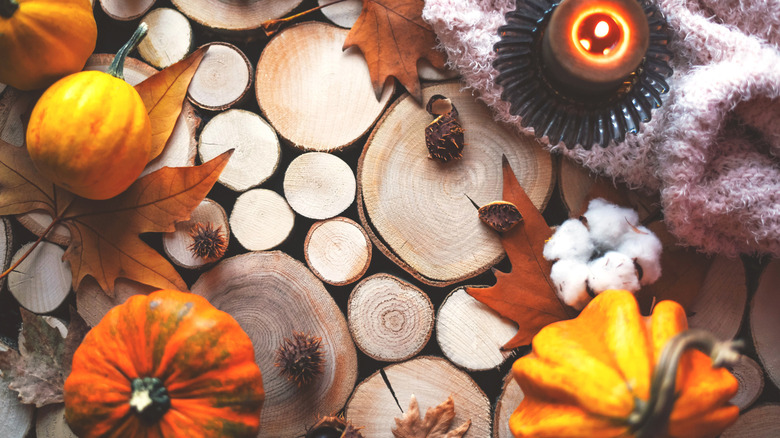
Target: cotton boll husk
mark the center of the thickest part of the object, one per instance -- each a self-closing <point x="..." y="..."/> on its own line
<point x="613" y="270"/>
<point x="570" y="241"/>
<point x="608" y="222"/>
<point x="569" y="277"/>
<point x="644" y="247"/>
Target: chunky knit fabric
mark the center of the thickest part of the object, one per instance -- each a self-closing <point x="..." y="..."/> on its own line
<point x="712" y="150"/>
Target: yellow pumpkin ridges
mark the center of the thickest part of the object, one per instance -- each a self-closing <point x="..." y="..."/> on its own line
<point x="540" y="419"/>
<point x="707" y="425"/>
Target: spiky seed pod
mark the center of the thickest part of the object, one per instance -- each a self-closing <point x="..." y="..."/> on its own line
<point x="301" y="358"/>
<point x="500" y="215"/>
<point x="333" y="427"/>
<point x="207" y="243"/>
<point x="443" y="136"/>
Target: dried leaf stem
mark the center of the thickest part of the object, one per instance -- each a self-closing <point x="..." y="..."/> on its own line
<point x="53" y="224"/>
<point x="270" y="27"/>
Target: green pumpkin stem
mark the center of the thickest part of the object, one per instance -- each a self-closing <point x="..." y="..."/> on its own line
<point x="149" y="399"/>
<point x="8" y="7"/>
<point x="118" y="64"/>
<point x="651" y="418"/>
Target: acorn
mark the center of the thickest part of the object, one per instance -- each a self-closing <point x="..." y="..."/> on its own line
<point x="444" y="135"/>
<point x="207" y="243"/>
<point x="301" y="358"/>
<point x="500" y="215"/>
<point x="333" y="427"/>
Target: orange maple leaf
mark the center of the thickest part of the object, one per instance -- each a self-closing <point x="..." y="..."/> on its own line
<point x="526" y="294"/>
<point x="393" y="37"/>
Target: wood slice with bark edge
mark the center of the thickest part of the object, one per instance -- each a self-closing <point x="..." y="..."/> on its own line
<point x="317" y="96"/>
<point x="338" y="251"/>
<point x="470" y="333"/>
<point x="169" y="39"/>
<point x="261" y="219"/>
<point x="764" y="322"/>
<point x="126" y="10"/>
<point x="431" y="380"/>
<point x="15" y="108"/>
<point x="343" y="14"/>
<point x="177" y="244"/>
<point x="38" y="221"/>
<point x="508" y="401"/>
<point x="271" y="295"/>
<point x="257" y="151"/>
<point x="720" y="305"/>
<point x="6" y="246"/>
<point x="751" y="382"/>
<point x="223" y="78"/>
<point x="42" y="281"/>
<point x="419" y="212"/>
<point x="390" y="320"/>
<point x="762" y="421"/>
<point x="319" y="185"/>
<point x="235" y="18"/>
<point x="93" y="303"/>
<point x="17" y="418"/>
<point x="50" y="422"/>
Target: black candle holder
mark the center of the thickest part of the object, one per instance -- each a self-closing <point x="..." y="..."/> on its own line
<point x="567" y="114"/>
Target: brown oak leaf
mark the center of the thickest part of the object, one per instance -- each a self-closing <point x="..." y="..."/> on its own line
<point x="436" y="423"/>
<point x="525" y="294"/>
<point x="393" y="37"/>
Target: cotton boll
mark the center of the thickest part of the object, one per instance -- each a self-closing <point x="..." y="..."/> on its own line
<point x="570" y="241"/>
<point x="613" y="271"/>
<point x="644" y="247"/>
<point x="608" y="222"/>
<point x="569" y="277"/>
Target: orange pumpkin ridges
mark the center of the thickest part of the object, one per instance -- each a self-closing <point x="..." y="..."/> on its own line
<point x="168" y="364"/>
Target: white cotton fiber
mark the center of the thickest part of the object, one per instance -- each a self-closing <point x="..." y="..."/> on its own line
<point x="570" y="277"/>
<point x="643" y="246"/>
<point x="570" y="241"/>
<point x="613" y="271"/>
<point x="608" y="222"/>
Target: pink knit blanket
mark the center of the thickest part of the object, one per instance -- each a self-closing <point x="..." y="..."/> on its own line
<point x="712" y="150"/>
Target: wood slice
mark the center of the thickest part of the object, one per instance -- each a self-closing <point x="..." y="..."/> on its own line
<point x="126" y="10"/>
<point x="38" y="221"/>
<point x="374" y="405"/>
<point x="319" y="185"/>
<point x="722" y="298"/>
<point x="751" y="382"/>
<point x="317" y="96"/>
<point x="17" y="417"/>
<point x="421" y="211"/>
<point x="470" y="333"/>
<point x="42" y="281"/>
<point x="390" y="320"/>
<point x="6" y="246"/>
<point x="338" y="251"/>
<point x="136" y="71"/>
<point x="239" y="18"/>
<point x="182" y="145"/>
<point x="15" y="107"/>
<point x="257" y="150"/>
<point x="508" y="401"/>
<point x="343" y="14"/>
<point x="177" y="244"/>
<point x="169" y="39"/>
<point x="223" y="78"/>
<point x="271" y="295"/>
<point x="93" y="304"/>
<point x="764" y="323"/>
<point x="261" y="219"/>
<point x="760" y="422"/>
<point x="50" y="422"/>
<point x="427" y="72"/>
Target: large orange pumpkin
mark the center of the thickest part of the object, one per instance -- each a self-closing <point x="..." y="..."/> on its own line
<point x="601" y="374"/>
<point x="165" y="365"/>
<point x="44" y="40"/>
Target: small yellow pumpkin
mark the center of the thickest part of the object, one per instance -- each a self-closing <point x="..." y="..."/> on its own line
<point x="44" y="40"/>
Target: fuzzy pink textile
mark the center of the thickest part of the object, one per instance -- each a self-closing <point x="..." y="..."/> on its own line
<point x="712" y="149"/>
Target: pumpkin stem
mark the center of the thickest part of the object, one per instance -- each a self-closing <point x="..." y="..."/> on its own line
<point x="149" y="399"/>
<point x="8" y="7"/>
<point x="118" y="64"/>
<point x="651" y="418"/>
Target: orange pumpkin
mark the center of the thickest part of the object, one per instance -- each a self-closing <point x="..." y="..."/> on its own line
<point x="165" y="365"/>
<point x="601" y="374"/>
<point x="44" y="40"/>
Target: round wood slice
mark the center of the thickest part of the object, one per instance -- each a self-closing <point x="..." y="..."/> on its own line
<point x="257" y="150"/>
<point x="722" y="298"/>
<point x="50" y="422"/>
<point x="16" y="417"/>
<point x="93" y="304"/>
<point x="319" y="185"/>
<point x="38" y="221"/>
<point x="317" y="96"/>
<point x="470" y="333"/>
<point x="271" y="295"/>
<point x="422" y="211"/>
<point x="42" y="281"/>
<point x="182" y="145"/>
<point x="177" y="244"/>
<point x="261" y="219"/>
<point x="223" y="78"/>
<point x="751" y="382"/>
<point x="343" y="14"/>
<point x="764" y="322"/>
<point x="168" y="40"/>
<point x="242" y="18"/>
<point x="390" y="320"/>
<point x="6" y="246"/>
<point x="508" y="401"/>
<point x="431" y="379"/>
<point x="760" y="422"/>
<point x="15" y="106"/>
<point x="126" y="10"/>
<point x="338" y="251"/>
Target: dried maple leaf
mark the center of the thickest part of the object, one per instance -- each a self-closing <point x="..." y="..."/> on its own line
<point x="436" y="423"/>
<point x="393" y="37"/>
<point x="525" y="294"/>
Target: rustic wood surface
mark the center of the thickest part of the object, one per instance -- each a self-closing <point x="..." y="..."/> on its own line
<point x="42" y="281"/>
<point x="169" y="38"/>
<point x="126" y="10"/>
<point x="337" y="251"/>
<point x="751" y="382"/>
<point x="223" y="78"/>
<point x="508" y="401"/>
<point x="261" y="219"/>
<point x="760" y="422"/>
<point x="50" y="422"/>
<point x="177" y="244"/>
<point x="234" y="18"/>
<point x="319" y="185"/>
<point x="764" y="321"/>
<point x="17" y="418"/>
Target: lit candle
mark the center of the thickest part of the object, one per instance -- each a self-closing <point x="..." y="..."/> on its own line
<point x="592" y="46"/>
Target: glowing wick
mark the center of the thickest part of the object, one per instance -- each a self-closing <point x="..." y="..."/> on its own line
<point x="599" y="34"/>
<point x="601" y="30"/>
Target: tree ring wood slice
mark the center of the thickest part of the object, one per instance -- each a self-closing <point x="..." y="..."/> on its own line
<point x="93" y="303"/>
<point x="271" y="295"/>
<point x="15" y="107"/>
<point x="390" y="320"/>
<point x="338" y="251"/>
<point x="17" y="417"/>
<point x="177" y="244"/>
<point x="764" y="323"/>
<point x="126" y="10"/>
<point x="420" y="212"/>
<point x="182" y="146"/>
<point x="242" y="18"/>
<point x="223" y="78"/>
<point x="317" y="96"/>
<point x="343" y="14"/>
<point x="38" y="221"/>
<point x="319" y="185"/>
<point x="50" y="422"/>
<point x="721" y="302"/>
<point x="261" y="219"/>
<point x="751" y="382"/>
<point x="760" y="422"/>
<point x="508" y="401"/>
<point x="470" y="333"/>
<point x="431" y="380"/>
<point x="257" y="150"/>
<point x="42" y="281"/>
<point x="169" y="39"/>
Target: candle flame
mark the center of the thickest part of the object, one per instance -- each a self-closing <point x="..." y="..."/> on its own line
<point x="601" y="30"/>
<point x="585" y="43"/>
